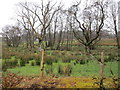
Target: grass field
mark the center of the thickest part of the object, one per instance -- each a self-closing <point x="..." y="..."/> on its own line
<point x="90" y="69"/>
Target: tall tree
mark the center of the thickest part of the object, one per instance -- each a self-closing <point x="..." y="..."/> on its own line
<point x="12" y="35"/>
<point x="44" y="14"/>
<point x="114" y="14"/>
<point x="90" y="22"/>
<point x="29" y="23"/>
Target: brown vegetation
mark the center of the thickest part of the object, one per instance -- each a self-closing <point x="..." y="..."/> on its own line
<point x="14" y="81"/>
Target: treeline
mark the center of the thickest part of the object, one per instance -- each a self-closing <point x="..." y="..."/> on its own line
<point x="52" y="26"/>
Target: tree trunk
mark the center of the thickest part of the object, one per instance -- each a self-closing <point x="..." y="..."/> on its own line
<point x="87" y="50"/>
<point x="59" y="41"/>
<point x="117" y="37"/>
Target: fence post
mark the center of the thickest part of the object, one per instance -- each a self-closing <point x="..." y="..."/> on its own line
<point x="102" y="70"/>
<point x="102" y="65"/>
<point x="42" y="63"/>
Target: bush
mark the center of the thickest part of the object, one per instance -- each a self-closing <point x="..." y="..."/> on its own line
<point x="67" y="59"/>
<point x="56" y="53"/>
<point x="38" y="59"/>
<point x="50" y="59"/>
<point x="6" y="55"/>
<point x="110" y="57"/>
<point x="48" y="69"/>
<point x="37" y="62"/>
<point x="28" y="57"/>
<point x="32" y="63"/>
<point x="22" y="62"/>
<point x="81" y="59"/>
<point x="9" y="63"/>
<point x="82" y="62"/>
<point x="60" y="70"/>
<point x="4" y="65"/>
<point x="31" y="56"/>
<point x="68" y="70"/>
<point x="24" y="57"/>
<point x="65" y="69"/>
<point x="13" y="61"/>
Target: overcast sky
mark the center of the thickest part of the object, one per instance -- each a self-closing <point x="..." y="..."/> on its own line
<point x="8" y="7"/>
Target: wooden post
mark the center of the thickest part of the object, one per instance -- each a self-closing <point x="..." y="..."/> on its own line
<point x="102" y="70"/>
<point x="102" y="65"/>
<point x="42" y="63"/>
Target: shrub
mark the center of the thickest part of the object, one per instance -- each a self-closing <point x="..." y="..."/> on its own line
<point x="37" y="62"/>
<point x="81" y="59"/>
<point x="110" y="57"/>
<point x="25" y="58"/>
<point x="60" y="70"/>
<point x="37" y="56"/>
<point x="9" y="63"/>
<point x="63" y="53"/>
<point x="22" y="62"/>
<point x="65" y="69"/>
<point x="50" y="59"/>
<point x="67" y="58"/>
<point x="13" y="61"/>
<point x="32" y="63"/>
<point x="6" y="55"/>
<point x="56" y="53"/>
<point x="4" y="65"/>
<point x="38" y="59"/>
<point x="31" y="56"/>
<point x="48" y="69"/>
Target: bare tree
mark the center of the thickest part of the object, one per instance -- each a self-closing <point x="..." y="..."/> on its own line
<point x="60" y="32"/>
<point x="69" y="29"/>
<point x="114" y="14"/>
<point x="44" y="14"/>
<point x="12" y="35"/>
<point x="90" y="22"/>
<point x="28" y="21"/>
<point x="54" y="30"/>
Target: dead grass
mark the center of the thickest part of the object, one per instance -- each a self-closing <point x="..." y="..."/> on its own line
<point x="65" y="82"/>
<point x="12" y="80"/>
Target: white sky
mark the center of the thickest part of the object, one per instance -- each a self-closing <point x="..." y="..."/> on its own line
<point x="8" y="7"/>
